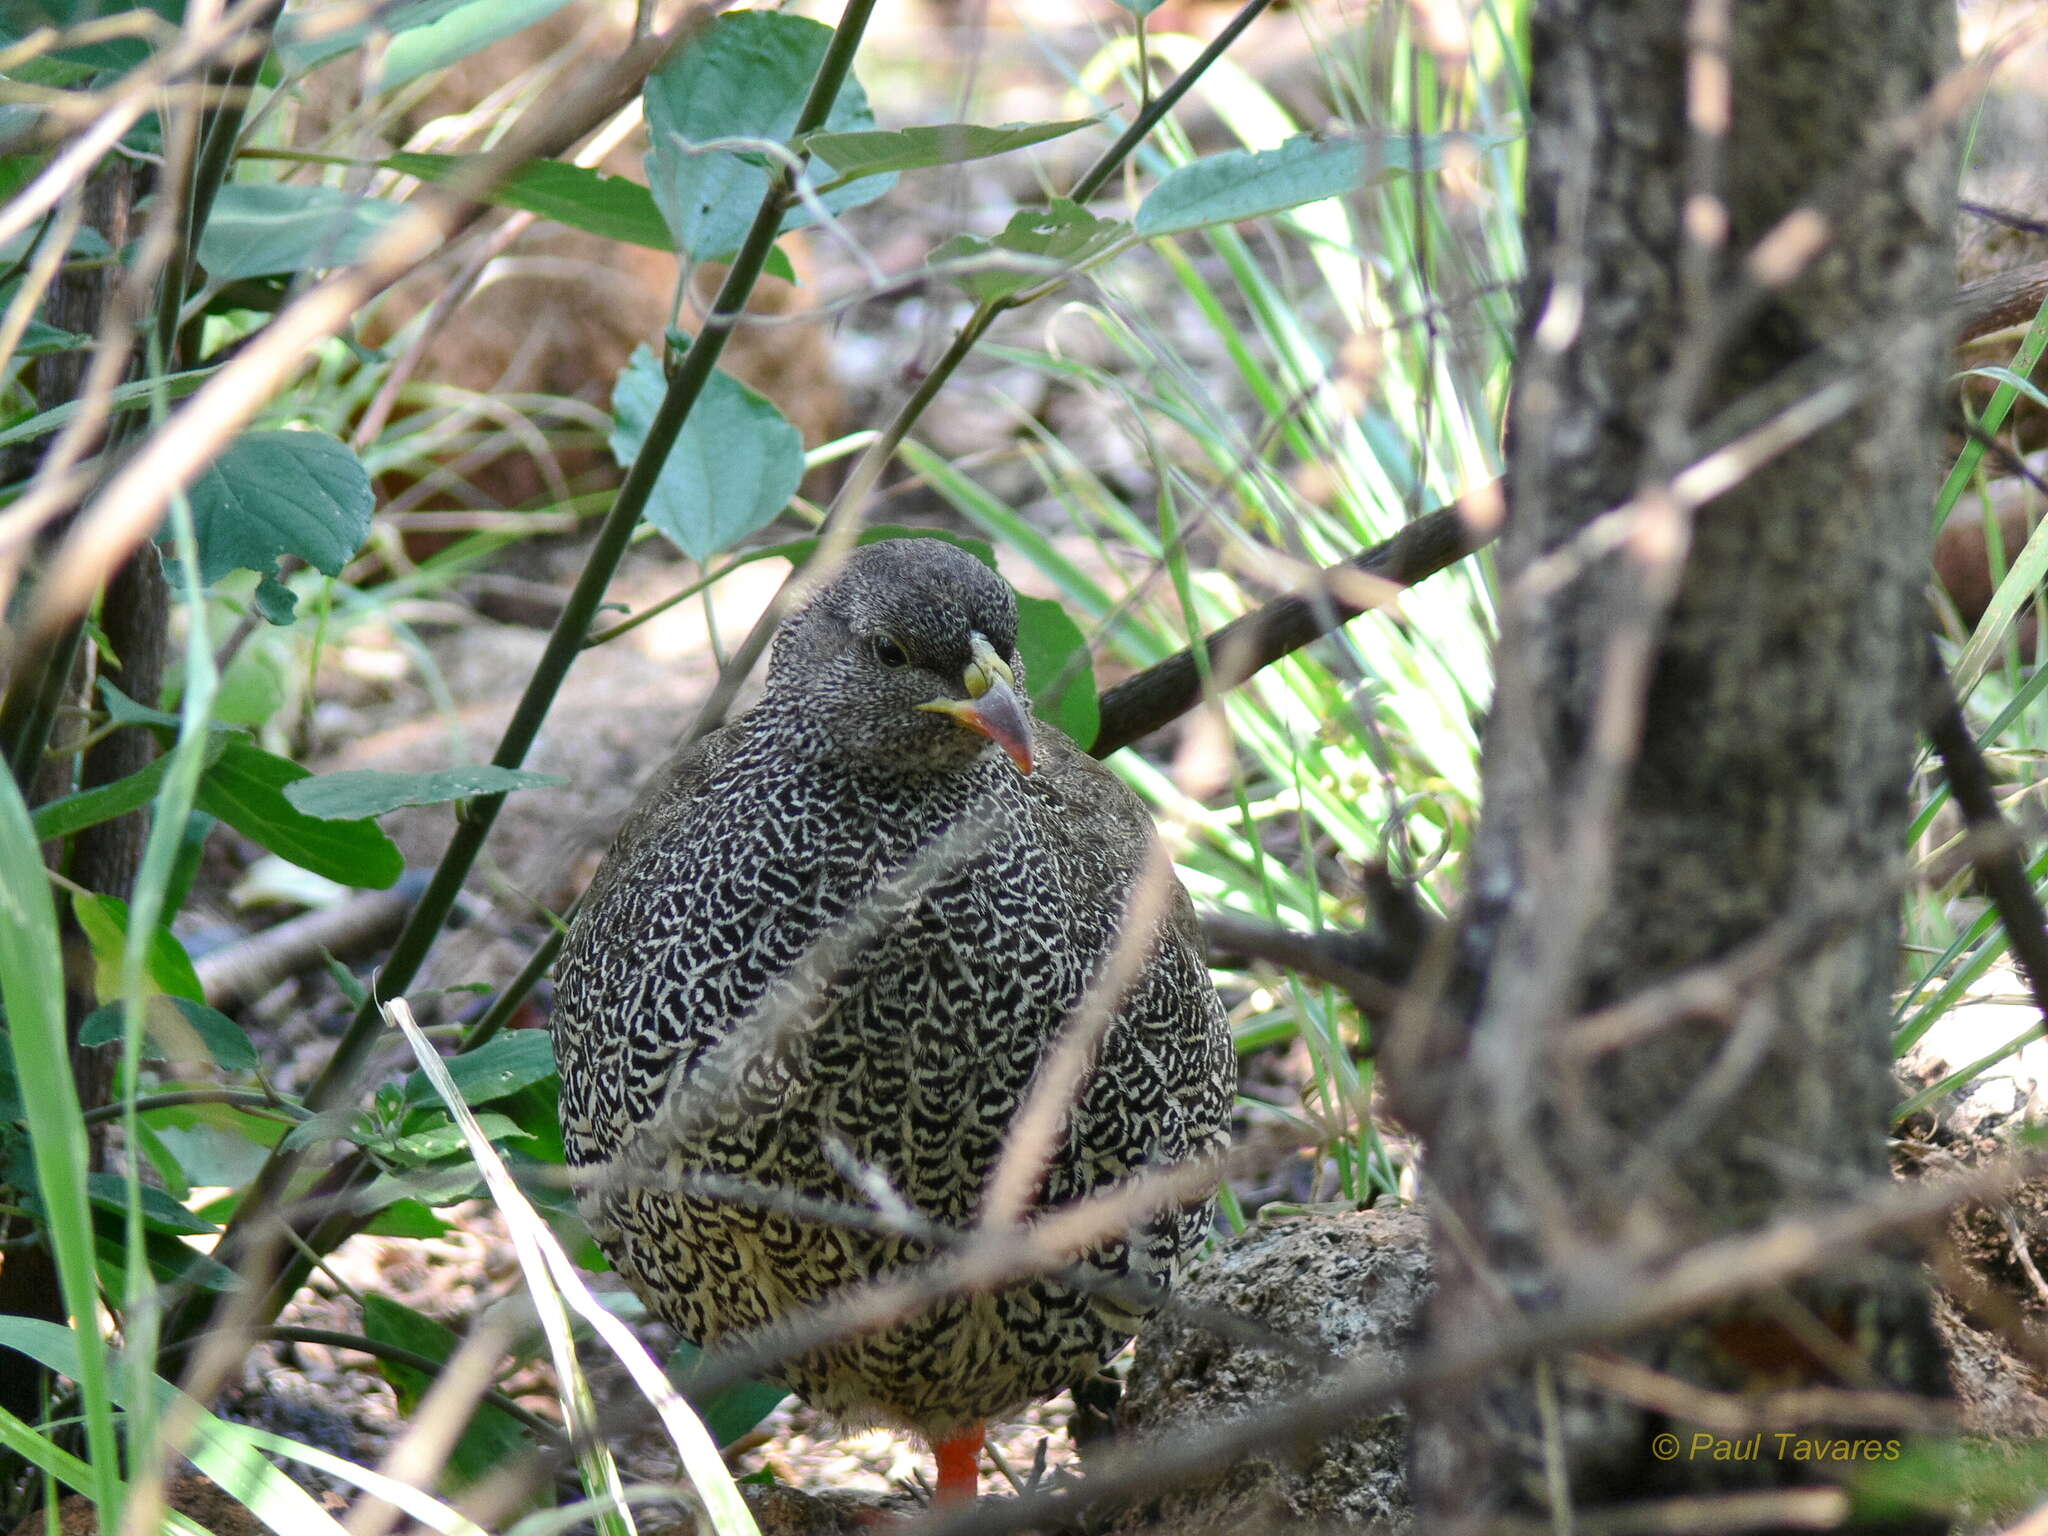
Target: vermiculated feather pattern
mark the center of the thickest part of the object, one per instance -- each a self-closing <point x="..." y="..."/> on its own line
<point x="797" y="950"/>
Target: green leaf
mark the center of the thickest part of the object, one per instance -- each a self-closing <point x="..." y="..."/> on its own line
<point x="185" y="865"/>
<point x="498" y="1068"/>
<point x="352" y="990"/>
<point x="2017" y="590"/>
<point x="40" y="340"/>
<point x="305" y="40"/>
<point x="733" y="468"/>
<point x="104" y="922"/>
<point x="346" y="1123"/>
<point x="1049" y="643"/>
<point x="447" y="1184"/>
<point x="261" y="227"/>
<point x="281" y="493"/>
<point x="362" y="792"/>
<point x="407" y="1218"/>
<point x="610" y="206"/>
<point x="277" y="602"/>
<point x="125" y="397"/>
<point x="491" y="1437"/>
<point x="251" y="690"/>
<point x="425" y="34"/>
<point x="1042" y="241"/>
<point x="173" y="1026"/>
<point x="438" y="1142"/>
<point x="32" y="986"/>
<point x="171" y="1261"/>
<point x="537" y="1110"/>
<point x="463" y="31"/>
<point x="231" y="1455"/>
<point x="746" y="77"/>
<point x="113" y="53"/>
<point x="1247" y="184"/>
<point x="245" y="789"/>
<point x="109" y="1191"/>
<point x="870" y="153"/>
<point x="731" y="1413"/>
<point x="89" y="807"/>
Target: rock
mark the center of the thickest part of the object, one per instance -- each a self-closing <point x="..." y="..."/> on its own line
<point x="1341" y="1287"/>
<point x="189" y="1494"/>
<point x="2002" y="1099"/>
<point x="791" y="1512"/>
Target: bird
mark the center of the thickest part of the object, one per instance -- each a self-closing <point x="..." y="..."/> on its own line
<point x="828" y="957"/>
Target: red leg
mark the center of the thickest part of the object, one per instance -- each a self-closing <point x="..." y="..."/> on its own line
<point x="959" y="1466"/>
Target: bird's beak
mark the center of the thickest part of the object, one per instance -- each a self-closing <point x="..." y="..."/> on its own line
<point x="992" y="706"/>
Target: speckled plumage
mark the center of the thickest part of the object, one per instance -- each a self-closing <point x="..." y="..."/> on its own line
<point x="848" y="920"/>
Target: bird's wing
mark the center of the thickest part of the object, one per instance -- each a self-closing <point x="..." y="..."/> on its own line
<point x="694" y="913"/>
<point x="1166" y="1073"/>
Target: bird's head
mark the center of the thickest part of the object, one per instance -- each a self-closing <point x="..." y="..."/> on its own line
<point x="908" y="657"/>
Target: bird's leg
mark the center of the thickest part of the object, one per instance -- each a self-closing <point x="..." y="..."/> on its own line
<point x="959" y="1466"/>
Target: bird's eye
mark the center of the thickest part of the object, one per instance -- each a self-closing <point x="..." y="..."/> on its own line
<point x="890" y="654"/>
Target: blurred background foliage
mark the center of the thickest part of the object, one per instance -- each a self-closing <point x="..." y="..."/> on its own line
<point x="1159" y="367"/>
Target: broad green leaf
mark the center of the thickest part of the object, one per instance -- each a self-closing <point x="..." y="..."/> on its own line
<point x="1247" y="184"/>
<point x="170" y="1260"/>
<point x="731" y="1413"/>
<point x="90" y="807"/>
<point x="537" y="1110"/>
<point x="277" y="602"/>
<point x="361" y="792"/>
<point x="262" y="227"/>
<point x="121" y="52"/>
<point x="344" y="1124"/>
<point x="245" y="789"/>
<point x="251" y="690"/>
<point x="445" y="1140"/>
<point x="109" y="1192"/>
<point x="311" y="36"/>
<point x="39" y="340"/>
<point x="104" y="922"/>
<point x="1045" y="242"/>
<point x="447" y="1184"/>
<point x="854" y="155"/>
<point x="85" y="241"/>
<point x="281" y="493"/>
<point x="496" y="1069"/>
<point x="610" y="206"/>
<point x="734" y="465"/>
<point x="745" y="77"/>
<point x="1049" y="643"/>
<point x="491" y="1437"/>
<point x="407" y="1218"/>
<point x="425" y="34"/>
<point x="173" y="1027"/>
<point x="461" y="32"/>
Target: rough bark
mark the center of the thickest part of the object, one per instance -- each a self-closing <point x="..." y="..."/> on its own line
<point x="1698" y="734"/>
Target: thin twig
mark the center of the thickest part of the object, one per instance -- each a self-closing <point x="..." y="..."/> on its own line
<point x="1998" y="859"/>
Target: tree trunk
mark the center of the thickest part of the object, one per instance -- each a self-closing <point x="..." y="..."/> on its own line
<point x="1703" y="731"/>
